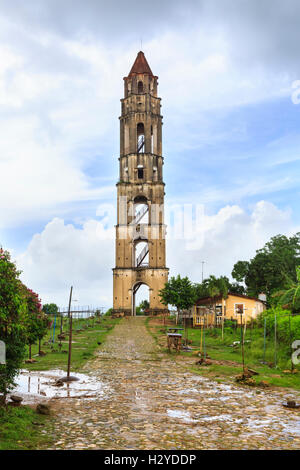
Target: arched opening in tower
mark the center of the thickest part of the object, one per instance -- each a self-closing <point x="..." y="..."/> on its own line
<point x="140" y="138"/>
<point x="141" y="299"/>
<point x="141" y="210"/>
<point x="141" y="253"/>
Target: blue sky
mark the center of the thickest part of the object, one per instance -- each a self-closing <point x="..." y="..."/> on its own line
<point x="230" y="139"/>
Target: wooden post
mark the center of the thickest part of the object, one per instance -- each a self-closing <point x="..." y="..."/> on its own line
<point x="265" y="335"/>
<point x="61" y="323"/>
<point x="70" y="333"/>
<point x="290" y="331"/>
<point x="242" y="340"/>
<point x="275" y="341"/>
<point x="222" y="328"/>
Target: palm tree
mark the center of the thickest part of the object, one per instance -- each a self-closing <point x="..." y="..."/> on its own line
<point x="290" y="298"/>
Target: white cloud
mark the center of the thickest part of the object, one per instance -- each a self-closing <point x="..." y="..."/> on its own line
<point x="63" y="255"/>
<point x="226" y="237"/>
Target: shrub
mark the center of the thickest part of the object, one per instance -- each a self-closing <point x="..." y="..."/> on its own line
<point x="12" y="323"/>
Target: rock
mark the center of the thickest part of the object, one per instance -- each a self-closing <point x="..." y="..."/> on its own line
<point x="204" y="362"/>
<point x="43" y="409"/>
<point x="42" y="353"/>
<point x="59" y="383"/>
<point x="16" y="398"/>
<point x="245" y="379"/>
<point x="291" y="404"/>
<point x="252" y="371"/>
<point x="263" y="384"/>
<point x="30" y="361"/>
<point x="250" y="382"/>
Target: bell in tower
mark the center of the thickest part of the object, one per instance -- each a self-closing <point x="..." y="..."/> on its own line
<point x="140" y="229"/>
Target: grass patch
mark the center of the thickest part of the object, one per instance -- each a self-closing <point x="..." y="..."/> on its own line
<point x="20" y="429"/>
<point x="86" y="336"/>
<point x="231" y="357"/>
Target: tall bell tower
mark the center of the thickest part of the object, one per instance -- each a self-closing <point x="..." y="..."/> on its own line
<point x="140" y="229"/>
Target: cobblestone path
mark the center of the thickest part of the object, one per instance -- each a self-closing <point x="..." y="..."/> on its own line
<point x="150" y="401"/>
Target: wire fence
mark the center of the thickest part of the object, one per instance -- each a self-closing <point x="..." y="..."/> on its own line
<point x="82" y="311"/>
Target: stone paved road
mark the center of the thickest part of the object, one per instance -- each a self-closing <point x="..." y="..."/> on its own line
<point x="151" y="402"/>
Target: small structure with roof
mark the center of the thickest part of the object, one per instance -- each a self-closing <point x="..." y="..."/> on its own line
<point x="212" y="311"/>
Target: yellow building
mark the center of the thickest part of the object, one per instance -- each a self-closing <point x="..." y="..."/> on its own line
<point x="211" y="311"/>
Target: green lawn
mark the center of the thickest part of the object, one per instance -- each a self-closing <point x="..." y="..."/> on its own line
<point x="20" y="429"/>
<point x="221" y="350"/>
<point x="84" y="344"/>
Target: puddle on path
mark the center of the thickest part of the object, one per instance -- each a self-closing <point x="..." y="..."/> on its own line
<point x="40" y="385"/>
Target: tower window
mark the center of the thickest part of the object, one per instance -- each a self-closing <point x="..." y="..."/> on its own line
<point x="152" y="140"/>
<point x="140" y="138"/>
<point x="141" y="173"/>
<point x="140" y="87"/>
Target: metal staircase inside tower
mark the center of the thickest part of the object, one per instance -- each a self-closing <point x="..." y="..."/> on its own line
<point x="141" y="144"/>
<point x="142" y="256"/>
<point x="140" y="215"/>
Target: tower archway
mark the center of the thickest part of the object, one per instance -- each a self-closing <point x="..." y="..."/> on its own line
<point x="140" y="294"/>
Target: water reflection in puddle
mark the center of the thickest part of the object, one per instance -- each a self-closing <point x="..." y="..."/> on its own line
<point x="33" y="385"/>
<point x="184" y="415"/>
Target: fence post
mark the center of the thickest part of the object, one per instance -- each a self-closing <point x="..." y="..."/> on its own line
<point x="265" y="334"/>
<point x="275" y="340"/>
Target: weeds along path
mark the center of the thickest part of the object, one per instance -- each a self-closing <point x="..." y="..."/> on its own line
<point x="149" y="401"/>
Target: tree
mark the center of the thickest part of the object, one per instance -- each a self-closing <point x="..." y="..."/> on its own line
<point x="50" y="309"/>
<point x="178" y="292"/>
<point x="12" y="323"/>
<point x="272" y="267"/>
<point x="216" y="287"/>
<point x="290" y="298"/>
<point x="144" y="306"/>
<point x="36" y="321"/>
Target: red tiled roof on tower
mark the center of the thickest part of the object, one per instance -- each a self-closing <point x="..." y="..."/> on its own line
<point x="140" y="65"/>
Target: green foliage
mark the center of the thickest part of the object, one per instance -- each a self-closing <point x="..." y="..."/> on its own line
<point x="287" y="325"/>
<point x="21" y="321"/>
<point x="50" y="309"/>
<point x="290" y="298"/>
<point x="36" y="321"/>
<point x="272" y="268"/>
<point x="216" y="287"/>
<point x="178" y="292"/>
<point x="12" y="316"/>
<point x="144" y="306"/>
<point x="20" y="429"/>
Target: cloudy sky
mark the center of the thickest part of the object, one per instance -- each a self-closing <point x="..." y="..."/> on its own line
<point x="228" y="72"/>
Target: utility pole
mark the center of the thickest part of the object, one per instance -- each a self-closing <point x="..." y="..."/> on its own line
<point x="70" y="378"/>
<point x="202" y="262"/>
<point x="70" y="332"/>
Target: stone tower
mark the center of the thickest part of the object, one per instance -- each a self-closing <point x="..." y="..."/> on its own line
<point x="140" y="229"/>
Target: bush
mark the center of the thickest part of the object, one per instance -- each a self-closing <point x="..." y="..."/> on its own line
<point x="12" y="323"/>
<point x="287" y="325"/>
